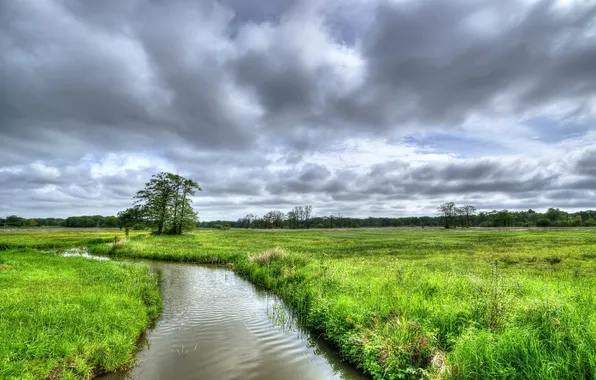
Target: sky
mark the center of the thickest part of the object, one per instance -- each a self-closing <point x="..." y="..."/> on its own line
<point x="357" y="107"/>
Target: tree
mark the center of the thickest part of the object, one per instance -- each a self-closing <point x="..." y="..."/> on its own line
<point x="131" y="218"/>
<point x="14" y="221"/>
<point x="448" y="212"/>
<point x="274" y="219"/>
<point x="165" y="203"/>
<point x="575" y="221"/>
<point x="32" y="222"/>
<point x="247" y="220"/>
<point x="187" y="216"/>
<point x="468" y="211"/>
<point x="293" y="219"/>
<point x="307" y="215"/>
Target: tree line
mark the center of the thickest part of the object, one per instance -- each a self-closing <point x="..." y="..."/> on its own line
<point x="449" y="215"/>
<point x="302" y="217"/>
<point x="85" y="221"/>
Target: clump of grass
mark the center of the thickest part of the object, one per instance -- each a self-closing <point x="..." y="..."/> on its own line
<point x="439" y="363"/>
<point x="496" y="299"/>
<point x="552" y="260"/>
<point x="267" y="256"/>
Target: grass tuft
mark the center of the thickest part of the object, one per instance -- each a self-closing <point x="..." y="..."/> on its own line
<point x="268" y="256"/>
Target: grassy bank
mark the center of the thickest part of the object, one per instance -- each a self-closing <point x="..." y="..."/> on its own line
<point x="70" y="317"/>
<point x="471" y="304"/>
<point x="452" y="304"/>
<point x="56" y="238"/>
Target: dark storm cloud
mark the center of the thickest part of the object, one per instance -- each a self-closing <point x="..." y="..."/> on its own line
<point x="468" y="179"/>
<point x="586" y="165"/>
<point x="440" y="61"/>
<point x="314" y="172"/>
<point x="240" y="95"/>
<point x="172" y="70"/>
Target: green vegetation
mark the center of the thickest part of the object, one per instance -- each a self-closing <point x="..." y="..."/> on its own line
<point x="301" y="217"/>
<point x="402" y="303"/>
<point x="58" y="238"/>
<point x="464" y="304"/>
<point x="164" y="205"/>
<point x="69" y="317"/>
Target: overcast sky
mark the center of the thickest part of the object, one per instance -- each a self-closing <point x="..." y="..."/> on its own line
<point x="358" y="107"/>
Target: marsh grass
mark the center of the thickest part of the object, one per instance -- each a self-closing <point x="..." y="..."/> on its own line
<point x="411" y="304"/>
<point x="478" y="304"/>
<point x="268" y="256"/>
<point x="70" y="317"/>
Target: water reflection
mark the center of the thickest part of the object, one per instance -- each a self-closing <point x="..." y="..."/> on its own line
<point x="81" y="252"/>
<point x="215" y="325"/>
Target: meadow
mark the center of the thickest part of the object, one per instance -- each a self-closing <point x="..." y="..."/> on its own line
<point x="464" y="304"/>
<point x="69" y="317"/>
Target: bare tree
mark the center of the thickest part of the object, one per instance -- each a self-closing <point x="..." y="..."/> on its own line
<point x="293" y="219"/>
<point x="307" y="215"/>
<point x="299" y="210"/>
<point x="274" y="219"/>
<point x="248" y="220"/>
<point x="469" y="211"/>
<point x="448" y="212"/>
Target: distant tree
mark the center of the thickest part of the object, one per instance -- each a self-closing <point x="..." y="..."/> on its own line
<point x="468" y="212"/>
<point x="292" y="218"/>
<point x="556" y="215"/>
<point x="590" y="223"/>
<point x="14" y="221"/>
<point x="131" y="218"/>
<point x="307" y="215"/>
<point x="575" y="221"/>
<point x="110" y="221"/>
<point x="459" y="216"/>
<point x="247" y="220"/>
<point x="448" y="213"/>
<point x="274" y="219"/>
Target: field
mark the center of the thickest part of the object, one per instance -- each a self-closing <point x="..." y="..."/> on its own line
<point x="69" y="317"/>
<point x="466" y="304"/>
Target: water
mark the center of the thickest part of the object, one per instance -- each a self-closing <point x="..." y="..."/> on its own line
<point x="215" y="325"/>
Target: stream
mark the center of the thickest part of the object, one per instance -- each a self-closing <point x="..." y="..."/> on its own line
<point x="215" y="325"/>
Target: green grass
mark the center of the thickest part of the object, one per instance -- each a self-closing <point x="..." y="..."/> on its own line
<point x="473" y="304"/>
<point x="53" y="238"/>
<point x="70" y="317"/>
<point x="399" y="303"/>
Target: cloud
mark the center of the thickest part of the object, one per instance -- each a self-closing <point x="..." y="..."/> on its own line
<point x="384" y="106"/>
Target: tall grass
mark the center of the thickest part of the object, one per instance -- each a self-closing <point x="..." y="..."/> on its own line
<point x="70" y="317"/>
<point x="414" y="304"/>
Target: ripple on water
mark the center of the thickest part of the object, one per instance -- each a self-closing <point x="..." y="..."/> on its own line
<point x="214" y="325"/>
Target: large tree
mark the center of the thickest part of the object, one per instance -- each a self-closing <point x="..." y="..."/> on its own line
<point x="166" y="205"/>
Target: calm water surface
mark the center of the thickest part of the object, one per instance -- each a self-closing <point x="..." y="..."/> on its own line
<point x="215" y="325"/>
